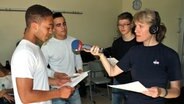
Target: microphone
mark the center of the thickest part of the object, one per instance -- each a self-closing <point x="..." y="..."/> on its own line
<point x="77" y="46"/>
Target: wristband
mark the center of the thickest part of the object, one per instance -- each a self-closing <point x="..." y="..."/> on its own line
<point x="166" y="92"/>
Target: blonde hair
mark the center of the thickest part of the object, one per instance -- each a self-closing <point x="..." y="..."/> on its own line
<point x="145" y="16"/>
<point x="151" y="17"/>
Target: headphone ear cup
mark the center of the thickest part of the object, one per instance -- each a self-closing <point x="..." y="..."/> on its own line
<point x="153" y="29"/>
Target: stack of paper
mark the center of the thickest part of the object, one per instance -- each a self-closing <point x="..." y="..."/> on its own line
<point x="133" y="86"/>
<point x="77" y="79"/>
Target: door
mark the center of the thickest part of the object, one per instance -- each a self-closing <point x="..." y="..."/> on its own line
<point x="181" y="39"/>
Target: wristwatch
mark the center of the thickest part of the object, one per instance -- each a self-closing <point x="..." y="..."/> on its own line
<point x="137" y="4"/>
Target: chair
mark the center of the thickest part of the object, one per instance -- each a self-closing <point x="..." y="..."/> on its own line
<point x="98" y="76"/>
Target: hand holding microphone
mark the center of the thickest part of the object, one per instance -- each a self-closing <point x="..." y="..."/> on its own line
<point x="95" y="50"/>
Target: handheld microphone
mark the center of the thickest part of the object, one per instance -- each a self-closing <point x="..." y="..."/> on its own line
<point x="77" y="46"/>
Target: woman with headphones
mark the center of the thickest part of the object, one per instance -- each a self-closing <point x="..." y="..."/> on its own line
<point x="152" y="63"/>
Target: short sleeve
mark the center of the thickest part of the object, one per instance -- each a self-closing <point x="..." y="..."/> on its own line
<point x="174" y="66"/>
<point x="23" y="64"/>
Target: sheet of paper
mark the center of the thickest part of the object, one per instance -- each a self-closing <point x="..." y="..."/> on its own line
<point x="133" y="86"/>
<point x="112" y="60"/>
<point x="77" y="79"/>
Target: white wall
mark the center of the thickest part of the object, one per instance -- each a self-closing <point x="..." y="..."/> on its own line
<point x="97" y="24"/>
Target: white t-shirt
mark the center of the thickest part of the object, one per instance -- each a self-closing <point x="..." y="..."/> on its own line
<point x="60" y="57"/>
<point x="29" y="62"/>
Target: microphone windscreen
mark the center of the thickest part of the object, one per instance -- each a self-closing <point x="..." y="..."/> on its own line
<point x="76" y="45"/>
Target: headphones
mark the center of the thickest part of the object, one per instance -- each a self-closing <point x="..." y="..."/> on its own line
<point x="154" y="28"/>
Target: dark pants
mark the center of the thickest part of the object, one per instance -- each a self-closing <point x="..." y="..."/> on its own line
<point x="4" y="101"/>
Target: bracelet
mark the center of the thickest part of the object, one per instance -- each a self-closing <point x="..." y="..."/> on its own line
<point x="163" y="92"/>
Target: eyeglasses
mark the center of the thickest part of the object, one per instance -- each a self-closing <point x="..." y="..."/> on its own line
<point x="123" y="25"/>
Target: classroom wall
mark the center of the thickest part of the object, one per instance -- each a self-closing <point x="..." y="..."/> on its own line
<point x="97" y="24"/>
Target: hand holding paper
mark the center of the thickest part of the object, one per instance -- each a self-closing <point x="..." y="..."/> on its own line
<point x="77" y="79"/>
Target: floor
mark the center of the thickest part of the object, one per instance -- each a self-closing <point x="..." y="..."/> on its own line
<point x="100" y="96"/>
